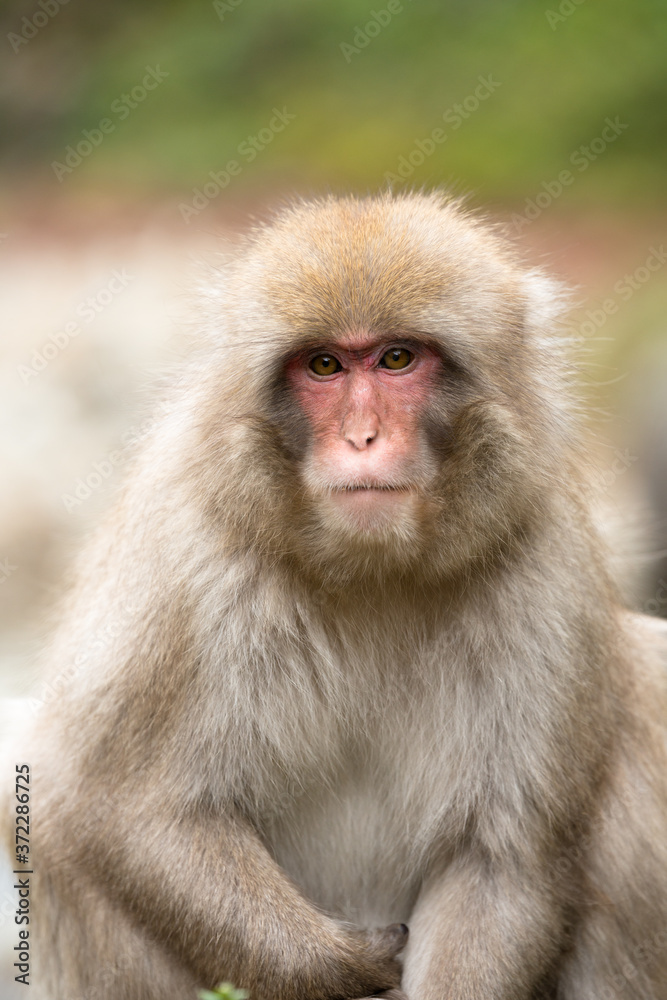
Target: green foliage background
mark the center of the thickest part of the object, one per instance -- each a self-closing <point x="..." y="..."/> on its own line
<point x="563" y="67"/>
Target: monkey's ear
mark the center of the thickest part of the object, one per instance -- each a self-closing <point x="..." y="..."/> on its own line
<point x="546" y="301"/>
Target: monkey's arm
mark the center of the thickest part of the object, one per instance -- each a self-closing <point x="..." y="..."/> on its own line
<point x="481" y="933"/>
<point x="204" y="885"/>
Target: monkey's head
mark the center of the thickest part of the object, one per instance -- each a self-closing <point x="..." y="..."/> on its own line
<point x="390" y="398"/>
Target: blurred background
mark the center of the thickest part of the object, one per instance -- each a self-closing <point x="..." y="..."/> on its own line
<point x="136" y="137"/>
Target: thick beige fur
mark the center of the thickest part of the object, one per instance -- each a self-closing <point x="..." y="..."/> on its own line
<point x="272" y="729"/>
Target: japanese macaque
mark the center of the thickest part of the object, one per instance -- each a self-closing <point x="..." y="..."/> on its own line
<point x="347" y="655"/>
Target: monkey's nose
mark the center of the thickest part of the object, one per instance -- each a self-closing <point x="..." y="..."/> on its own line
<point x="361" y="435"/>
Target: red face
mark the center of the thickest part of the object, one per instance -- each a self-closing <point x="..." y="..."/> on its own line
<point x="364" y="399"/>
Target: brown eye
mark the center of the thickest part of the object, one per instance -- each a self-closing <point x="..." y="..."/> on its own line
<point x="396" y="358"/>
<point x="325" y="364"/>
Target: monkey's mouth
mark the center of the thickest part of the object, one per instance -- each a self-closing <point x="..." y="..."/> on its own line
<point x="371" y="487"/>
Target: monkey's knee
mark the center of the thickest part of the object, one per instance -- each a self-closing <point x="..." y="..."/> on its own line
<point x="87" y="947"/>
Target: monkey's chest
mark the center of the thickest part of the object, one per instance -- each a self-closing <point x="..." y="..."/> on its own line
<point x="348" y="848"/>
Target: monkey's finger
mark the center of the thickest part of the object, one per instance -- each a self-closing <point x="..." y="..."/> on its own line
<point x="393" y="938"/>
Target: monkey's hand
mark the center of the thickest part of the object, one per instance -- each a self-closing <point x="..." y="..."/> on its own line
<point x="352" y="963"/>
<point x="384" y="945"/>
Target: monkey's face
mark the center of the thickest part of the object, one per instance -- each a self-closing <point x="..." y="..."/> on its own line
<point x="404" y="388"/>
<point x="364" y="398"/>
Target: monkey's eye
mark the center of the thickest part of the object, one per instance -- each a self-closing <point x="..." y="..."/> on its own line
<point x="395" y="358"/>
<point x="325" y="364"/>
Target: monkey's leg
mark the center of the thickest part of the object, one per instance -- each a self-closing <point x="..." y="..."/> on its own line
<point x="479" y="934"/>
<point x="85" y="948"/>
<point x="620" y="946"/>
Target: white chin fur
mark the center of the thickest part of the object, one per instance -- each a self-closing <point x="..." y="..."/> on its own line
<point x="370" y="510"/>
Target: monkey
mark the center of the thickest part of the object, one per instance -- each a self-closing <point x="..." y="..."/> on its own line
<point x="346" y="658"/>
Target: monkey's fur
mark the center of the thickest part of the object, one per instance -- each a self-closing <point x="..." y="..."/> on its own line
<point x="290" y="729"/>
